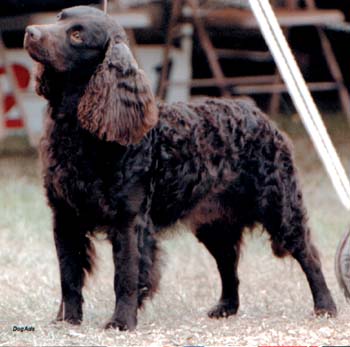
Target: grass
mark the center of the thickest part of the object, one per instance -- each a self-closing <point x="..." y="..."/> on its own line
<point x="276" y="305"/>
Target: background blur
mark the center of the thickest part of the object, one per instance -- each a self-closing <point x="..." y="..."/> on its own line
<point x="187" y="48"/>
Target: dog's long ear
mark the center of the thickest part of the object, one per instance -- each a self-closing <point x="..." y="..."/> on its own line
<point x="118" y="104"/>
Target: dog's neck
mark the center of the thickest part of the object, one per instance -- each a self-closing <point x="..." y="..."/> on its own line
<point x="67" y="90"/>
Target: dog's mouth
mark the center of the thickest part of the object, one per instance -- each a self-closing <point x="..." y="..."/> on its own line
<point x="35" y="50"/>
<point x="33" y="43"/>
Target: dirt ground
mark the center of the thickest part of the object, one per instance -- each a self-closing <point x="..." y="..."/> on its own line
<point x="276" y="305"/>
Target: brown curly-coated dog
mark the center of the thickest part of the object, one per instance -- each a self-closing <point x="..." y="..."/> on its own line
<point x="117" y="161"/>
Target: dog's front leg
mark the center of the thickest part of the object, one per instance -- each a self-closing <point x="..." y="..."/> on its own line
<point x="74" y="252"/>
<point x="126" y="261"/>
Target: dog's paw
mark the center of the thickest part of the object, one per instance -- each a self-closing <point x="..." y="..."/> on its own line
<point x="73" y="321"/>
<point x="329" y="312"/>
<point x="130" y="325"/>
<point x="223" y="310"/>
<point x="325" y="307"/>
<point x="73" y="315"/>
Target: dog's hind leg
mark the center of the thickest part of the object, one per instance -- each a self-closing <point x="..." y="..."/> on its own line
<point x="75" y="255"/>
<point x="285" y="220"/>
<point x="308" y="259"/>
<point x="223" y="242"/>
<point x="149" y="274"/>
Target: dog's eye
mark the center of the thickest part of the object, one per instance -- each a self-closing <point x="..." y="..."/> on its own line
<point x="75" y="36"/>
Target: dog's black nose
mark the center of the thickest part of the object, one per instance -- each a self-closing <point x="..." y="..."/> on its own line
<point x="33" y="33"/>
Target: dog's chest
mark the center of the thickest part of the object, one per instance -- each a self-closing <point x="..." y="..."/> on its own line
<point x="78" y="170"/>
<point x="77" y="181"/>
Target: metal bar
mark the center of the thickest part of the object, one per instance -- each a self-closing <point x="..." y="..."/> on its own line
<point x="301" y="97"/>
<point x="275" y="99"/>
<point x="335" y="72"/>
<point x="208" y="47"/>
<point x="260" y="83"/>
<point x="228" y="81"/>
<point x="175" y="12"/>
<point x="237" y="53"/>
<point x="281" y="88"/>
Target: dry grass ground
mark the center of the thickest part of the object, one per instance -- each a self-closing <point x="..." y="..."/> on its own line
<point x="276" y="306"/>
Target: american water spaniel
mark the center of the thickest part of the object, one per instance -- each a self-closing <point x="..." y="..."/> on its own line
<point x="117" y="161"/>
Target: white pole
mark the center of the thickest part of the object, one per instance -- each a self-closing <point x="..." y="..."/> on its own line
<point x="301" y="97"/>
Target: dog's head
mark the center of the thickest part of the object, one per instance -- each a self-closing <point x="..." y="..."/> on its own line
<point x="117" y="104"/>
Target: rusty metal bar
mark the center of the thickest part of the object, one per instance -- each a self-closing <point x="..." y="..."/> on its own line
<point x="175" y="13"/>
<point x="240" y="53"/>
<point x="281" y="88"/>
<point x="335" y="71"/>
<point x="208" y="47"/>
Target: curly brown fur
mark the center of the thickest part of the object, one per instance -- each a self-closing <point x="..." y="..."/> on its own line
<point x="109" y="163"/>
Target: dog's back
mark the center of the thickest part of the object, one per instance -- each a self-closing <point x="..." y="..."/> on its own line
<point x="217" y="149"/>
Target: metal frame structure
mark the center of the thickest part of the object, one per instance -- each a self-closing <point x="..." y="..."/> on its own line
<point x="290" y="16"/>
